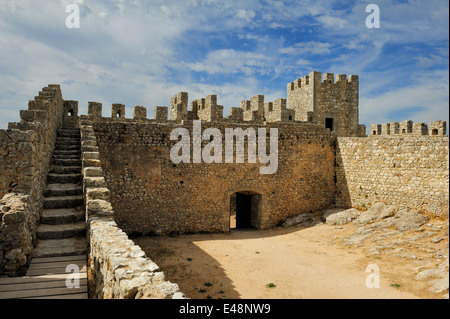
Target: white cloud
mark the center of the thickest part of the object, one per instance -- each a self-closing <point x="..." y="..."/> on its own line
<point x="311" y="47"/>
<point x="231" y="61"/>
<point x="247" y="15"/>
<point x="424" y="101"/>
<point x="431" y="60"/>
<point x="303" y="62"/>
<point x="333" y="22"/>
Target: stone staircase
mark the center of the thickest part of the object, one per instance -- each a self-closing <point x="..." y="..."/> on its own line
<point x="62" y="231"/>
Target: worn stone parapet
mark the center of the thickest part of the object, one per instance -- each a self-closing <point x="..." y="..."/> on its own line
<point x="161" y="113"/>
<point x="15" y="240"/>
<point x="179" y="106"/>
<point x="208" y="110"/>
<point x="276" y="111"/>
<point x="26" y="148"/>
<point x="406" y="127"/>
<point x="253" y="109"/>
<point x="70" y="114"/>
<point x="436" y="128"/>
<point x="139" y="113"/>
<point x="236" y="114"/>
<point x="386" y="129"/>
<point x="118" y="111"/>
<point x="120" y="268"/>
<point x="420" y="129"/>
<point x="375" y="129"/>
<point x="94" y="109"/>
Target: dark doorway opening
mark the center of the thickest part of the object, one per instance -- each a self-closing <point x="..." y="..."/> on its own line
<point x="329" y="123"/>
<point x="245" y="210"/>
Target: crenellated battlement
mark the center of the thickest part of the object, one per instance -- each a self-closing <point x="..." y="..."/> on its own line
<point x="328" y="78"/>
<point x="277" y="111"/>
<point x="435" y="128"/>
<point x="26" y="149"/>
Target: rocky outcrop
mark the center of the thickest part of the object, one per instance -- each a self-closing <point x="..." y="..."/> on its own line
<point x="385" y="229"/>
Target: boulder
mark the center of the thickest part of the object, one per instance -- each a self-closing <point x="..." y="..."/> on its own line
<point x="409" y="220"/>
<point x="305" y="220"/>
<point x="340" y="217"/>
<point x="375" y="213"/>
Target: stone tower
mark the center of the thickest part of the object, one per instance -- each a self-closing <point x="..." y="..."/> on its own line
<point x="328" y="102"/>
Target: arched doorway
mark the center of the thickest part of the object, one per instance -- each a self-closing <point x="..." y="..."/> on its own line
<point x="245" y="210"/>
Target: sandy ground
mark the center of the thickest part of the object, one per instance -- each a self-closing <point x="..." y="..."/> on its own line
<point x="283" y="263"/>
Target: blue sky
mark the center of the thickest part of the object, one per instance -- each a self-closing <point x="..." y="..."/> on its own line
<point x="144" y="52"/>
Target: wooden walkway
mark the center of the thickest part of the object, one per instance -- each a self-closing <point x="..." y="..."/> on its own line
<point x="46" y="279"/>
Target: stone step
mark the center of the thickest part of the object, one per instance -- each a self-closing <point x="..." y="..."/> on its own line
<point x="54" y="178"/>
<point x="61" y="231"/>
<point x="68" y="131"/>
<point x="62" y="216"/>
<point x="64" y="147"/>
<point x="65" y="169"/>
<point x="64" y="152"/>
<point x="67" y="161"/>
<point x="63" y="202"/>
<point x="66" y="156"/>
<point x="67" y="189"/>
<point x="68" y="147"/>
<point x="60" y="247"/>
<point x="71" y="141"/>
<point x="65" y="139"/>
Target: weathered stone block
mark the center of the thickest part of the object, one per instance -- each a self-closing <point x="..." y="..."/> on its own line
<point x="118" y="111"/>
<point x="102" y="193"/>
<point x="161" y="113"/>
<point x="139" y="113"/>
<point x="94" y="109"/>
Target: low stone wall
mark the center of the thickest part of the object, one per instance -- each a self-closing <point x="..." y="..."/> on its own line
<point x="411" y="172"/>
<point x="26" y="148"/>
<point x="15" y="239"/>
<point x="118" y="268"/>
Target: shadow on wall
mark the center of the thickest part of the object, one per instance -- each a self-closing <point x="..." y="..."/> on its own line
<point x="342" y="194"/>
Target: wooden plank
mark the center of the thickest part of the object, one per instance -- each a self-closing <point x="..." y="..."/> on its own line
<point x="30" y="279"/>
<point x="71" y="296"/>
<point x="39" y="260"/>
<point x="51" y="271"/>
<point x="54" y="268"/>
<point x="46" y="279"/>
<point x="42" y="292"/>
<point x="61" y="264"/>
<point x="61" y="283"/>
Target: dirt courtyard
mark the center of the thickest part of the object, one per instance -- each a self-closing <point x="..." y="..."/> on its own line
<point x="283" y="263"/>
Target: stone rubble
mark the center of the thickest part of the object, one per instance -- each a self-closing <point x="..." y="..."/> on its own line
<point x="384" y="229"/>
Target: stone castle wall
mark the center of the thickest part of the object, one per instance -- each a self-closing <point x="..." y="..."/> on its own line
<point x="409" y="171"/>
<point x="151" y="194"/>
<point x="26" y="148"/>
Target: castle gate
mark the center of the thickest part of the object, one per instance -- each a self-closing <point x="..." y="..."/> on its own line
<point x="244" y="209"/>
